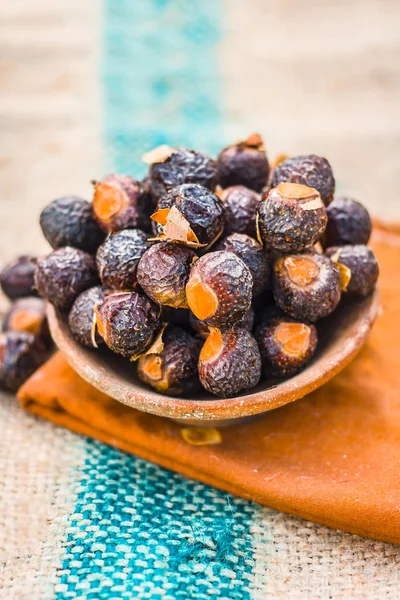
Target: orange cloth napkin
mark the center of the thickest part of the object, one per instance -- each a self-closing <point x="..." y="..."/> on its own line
<point x="333" y="457"/>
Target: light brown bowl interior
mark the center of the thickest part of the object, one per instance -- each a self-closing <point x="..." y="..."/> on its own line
<point x="340" y="338"/>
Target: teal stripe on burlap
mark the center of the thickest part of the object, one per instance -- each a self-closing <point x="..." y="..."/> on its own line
<point x="137" y="530"/>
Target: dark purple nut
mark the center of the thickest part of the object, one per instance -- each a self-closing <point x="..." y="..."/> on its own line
<point x="17" y="278"/>
<point x="64" y="274"/>
<point x="229" y="362"/>
<point x="172" y="368"/>
<point x="128" y="322"/>
<point x="68" y="221"/>
<point x="313" y="171"/>
<point x="306" y="286"/>
<point x="28" y="314"/>
<point x="291" y="218"/>
<point x="219" y="290"/>
<point x="190" y="214"/>
<point x="244" y="163"/>
<point x="203" y="330"/>
<point x="348" y="223"/>
<point x="241" y="205"/>
<point x="286" y="346"/>
<point x="118" y="258"/>
<point x="253" y="256"/>
<point x="21" y="353"/>
<point x="121" y="202"/>
<point x="170" y="167"/>
<point x="82" y="318"/>
<point x="358" y="267"/>
<point x="163" y="273"/>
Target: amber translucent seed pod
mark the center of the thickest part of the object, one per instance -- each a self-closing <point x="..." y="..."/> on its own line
<point x="81" y="318"/>
<point x="163" y="273"/>
<point x="240" y="205"/>
<point x="64" y="274"/>
<point x="253" y="256"/>
<point x="244" y="163"/>
<point x="307" y="286"/>
<point x="291" y="218"/>
<point x="17" y="279"/>
<point x="174" y="166"/>
<point x="28" y="314"/>
<point x="348" y="223"/>
<point x="358" y="266"/>
<point x="190" y="214"/>
<point x="21" y="353"/>
<point x="219" y="290"/>
<point x="128" y="322"/>
<point x="118" y="258"/>
<point x="286" y="346"/>
<point x="229" y="362"/>
<point x="310" y="170"/>
<point x="173" y="369"/>
<point x="121" y="202"/>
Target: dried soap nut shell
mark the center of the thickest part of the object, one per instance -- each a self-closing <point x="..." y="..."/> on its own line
<point x="82" y="315"/>
<point x="118" y="258"/>
<point x="348" y="223"/>
<point x="244" y="163"/>
<point x="361" y="264"/>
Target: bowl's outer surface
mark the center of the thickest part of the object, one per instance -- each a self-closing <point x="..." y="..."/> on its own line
<point x="341" y="336"/>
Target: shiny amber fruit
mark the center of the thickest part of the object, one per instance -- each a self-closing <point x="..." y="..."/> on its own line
<point x="121" y="202"/>
<point x="118" y="258"/>
<point x="286" y="346"/>
<point x="173" y="368"/>
<point x="81" y="318"/>
<point x="17" y="278"/>
<point x="163" y="272"/>
<point x="244" y="163"/>
<point x="229" y="362"/>
<point x="64" y="274"/>
<point x="128" y="322"/>
<point x="307" y="286"/>
<point x="219" y="290"/>
<point x="358" y="266"/>
<point x="291" y="218"/>
<point x="310" y="170"/>
<point x="21" y="353"/>
<point x="190" y="214"/>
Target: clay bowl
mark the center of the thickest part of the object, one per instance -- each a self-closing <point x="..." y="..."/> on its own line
<point x="341" y="336"/>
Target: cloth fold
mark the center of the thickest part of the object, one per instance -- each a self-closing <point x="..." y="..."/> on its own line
<point x="332" y="457"/>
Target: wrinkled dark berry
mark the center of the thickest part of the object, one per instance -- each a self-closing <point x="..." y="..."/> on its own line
<point x="203" y="330"/>
<point x="313" y="171"/>
<point x="190" y="214"/>
<point x="28" y="314"/>
<point x="229" y="362"/>
<point x="253" y="256"/>
<point x="121" y="202"/>
<point x="241" y="205"/>
<point x="285" y="345"/>
<point x="128" y="322"/>
<point x="21" y="353"/>
<point x="68" y="221"/>
<point x="64" y="274"/>
<point x="219" y="290"/>
<point x="361" y="268"/>
<point x="163" y="272"/>
<point x="244" y="163"/>
<point x="118" y="258"/>
<point x="81" y="318"/>
<point x="17" y="278"/>
<point x="306" y="286"/>
<point x="182" y="166"/>
<point x="173" y="368"/>
<point x="291" y="218"/>
<point x="348" y="223"/>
